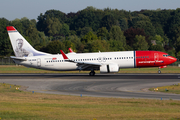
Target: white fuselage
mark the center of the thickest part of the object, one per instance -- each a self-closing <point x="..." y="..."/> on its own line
<point x="124" y="59"/>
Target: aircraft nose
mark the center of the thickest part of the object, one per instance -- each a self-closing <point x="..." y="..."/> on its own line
<point x="173" y="59"/>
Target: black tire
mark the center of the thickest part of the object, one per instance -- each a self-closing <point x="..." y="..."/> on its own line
<point x="159" y="72"/>
<point x="92" y="73"/>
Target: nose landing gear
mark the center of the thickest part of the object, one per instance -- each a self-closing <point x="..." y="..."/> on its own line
<point x="159" y="71"/>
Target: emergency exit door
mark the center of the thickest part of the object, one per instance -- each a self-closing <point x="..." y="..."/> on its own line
<point x="39" y="62"/>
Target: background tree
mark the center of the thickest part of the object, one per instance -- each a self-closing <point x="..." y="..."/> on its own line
<point x="54" y="46"/>
<point x="89" y="17"/>
<point x="116" y="34"/>
<point x="140" y="43"/>
<point x="98" y="45"/>
<point x="131" y="33"/>
<point x="147" y="26"/>
<point x="103" y="33"/>
<point x="5" y="45"/>
<point x="115" y="45"/>
<point x="89" y="37"/>
<point x="157" y="48"/>
<point x="18" y="25"/>
<point x="64" y="30"/>
<point x="123" y="24"/>
<point x="53" y="26"/>
<point x="83" y="31"/>
<point x="108" y="21"/>
<point x="177" y="45"/>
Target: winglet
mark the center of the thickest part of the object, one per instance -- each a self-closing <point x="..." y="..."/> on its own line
<point x="71" y="51"/>
<point x="63" y="54"/>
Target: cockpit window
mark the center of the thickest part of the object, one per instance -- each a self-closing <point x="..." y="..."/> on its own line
<point x="165" y="55"/>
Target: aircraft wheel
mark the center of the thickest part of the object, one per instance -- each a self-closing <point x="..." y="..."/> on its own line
<point x="159" y="72"/>
<point x="92" y="73"/>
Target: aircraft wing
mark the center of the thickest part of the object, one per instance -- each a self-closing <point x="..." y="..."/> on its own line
<point x="18" y="58"/>
<point x="81" y="65"/>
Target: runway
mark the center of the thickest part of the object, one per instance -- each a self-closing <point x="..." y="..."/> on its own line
<point x="101" y="85"/>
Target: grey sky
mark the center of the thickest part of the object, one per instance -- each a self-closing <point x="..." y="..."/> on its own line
<point x="11" y="9"/>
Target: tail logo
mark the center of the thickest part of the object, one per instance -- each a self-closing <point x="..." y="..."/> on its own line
<point x="20" y="51"/>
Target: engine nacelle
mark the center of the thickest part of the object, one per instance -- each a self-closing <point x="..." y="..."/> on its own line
<point x="109" y="68"/>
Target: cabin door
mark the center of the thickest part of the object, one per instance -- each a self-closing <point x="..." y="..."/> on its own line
<point x="39" y="62"/>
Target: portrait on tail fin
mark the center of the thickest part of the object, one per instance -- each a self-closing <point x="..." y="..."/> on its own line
<point x="20" y="51"/>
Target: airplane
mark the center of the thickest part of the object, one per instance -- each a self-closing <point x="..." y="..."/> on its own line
<point x="106" y="62"/>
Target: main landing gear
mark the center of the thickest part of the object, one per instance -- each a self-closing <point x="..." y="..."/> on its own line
<point x="159" y="71"/>
<point x="92" y="73"/>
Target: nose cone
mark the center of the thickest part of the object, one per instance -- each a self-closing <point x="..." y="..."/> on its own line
<point x="173" y="59"/>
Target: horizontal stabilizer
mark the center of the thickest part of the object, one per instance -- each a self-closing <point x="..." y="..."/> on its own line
<point x="18" y="58"/>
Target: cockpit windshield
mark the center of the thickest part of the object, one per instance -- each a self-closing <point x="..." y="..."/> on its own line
<point x="166" y="55"/>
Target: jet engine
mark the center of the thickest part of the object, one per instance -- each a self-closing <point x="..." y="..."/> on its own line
<point x="110" y="68"/>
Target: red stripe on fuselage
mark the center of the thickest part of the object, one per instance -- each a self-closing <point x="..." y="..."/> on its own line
<point x="153" y="59"/>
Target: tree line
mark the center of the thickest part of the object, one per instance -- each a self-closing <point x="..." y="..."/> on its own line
<point x="93" y="30"/>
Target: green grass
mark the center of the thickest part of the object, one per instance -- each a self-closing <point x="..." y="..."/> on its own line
<point x="20" y="105"/>
<point x="22" y="69"/>
<point x="168" y="89"/>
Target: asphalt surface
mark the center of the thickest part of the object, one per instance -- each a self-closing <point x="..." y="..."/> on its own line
<point x="101" y="85"/>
